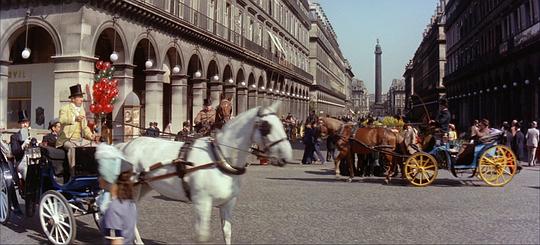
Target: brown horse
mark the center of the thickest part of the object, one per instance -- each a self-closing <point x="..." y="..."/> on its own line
<point x="362" y="141"/>
<point x="223" y="113"/>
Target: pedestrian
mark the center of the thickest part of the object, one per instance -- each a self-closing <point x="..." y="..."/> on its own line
<point x="317" y="138"/>
<point x="452" y="134"/>
<point x="507" y="134"/>
<point x="331" y="147"/>
<point x="309" y="144"/>
<point x="533" y="136"/>
<point x="116" y="203"/>
<point x="518" y="143"/>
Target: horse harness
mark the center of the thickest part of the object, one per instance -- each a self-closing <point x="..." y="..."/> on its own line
<point x="184" y="167"/>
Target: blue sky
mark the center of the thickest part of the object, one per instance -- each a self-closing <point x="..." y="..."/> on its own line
<point x="398" y="24"/>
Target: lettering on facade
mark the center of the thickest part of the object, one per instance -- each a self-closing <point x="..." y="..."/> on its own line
<point x="15" y="74"/>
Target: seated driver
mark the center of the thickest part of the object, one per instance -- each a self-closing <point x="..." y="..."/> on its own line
<point x="75" y="131"/>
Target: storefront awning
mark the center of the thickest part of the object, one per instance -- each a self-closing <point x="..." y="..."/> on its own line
<point x="277" y="44"/>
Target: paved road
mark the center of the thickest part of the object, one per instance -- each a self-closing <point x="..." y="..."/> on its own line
<point x="304" y="204"/>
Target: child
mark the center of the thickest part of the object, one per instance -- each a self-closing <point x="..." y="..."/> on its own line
<point x="120" y="212"/>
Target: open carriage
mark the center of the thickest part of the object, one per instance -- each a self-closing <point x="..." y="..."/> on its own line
<point x="493" y="163"/>
<point x="58" y="203"/>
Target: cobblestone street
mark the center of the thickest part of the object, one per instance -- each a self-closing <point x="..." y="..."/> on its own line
<point x="305" y="204"/>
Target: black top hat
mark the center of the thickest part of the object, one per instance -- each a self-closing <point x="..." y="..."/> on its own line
<point x="23" y="116"/>
<point x="207" y="102"/>
<point x="75" y="90"/>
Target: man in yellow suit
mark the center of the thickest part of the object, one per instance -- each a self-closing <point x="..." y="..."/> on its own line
<point x="75" y="130"/>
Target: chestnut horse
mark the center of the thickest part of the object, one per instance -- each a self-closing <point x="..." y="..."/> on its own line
<point x="223" y="113"/>
<point x="362" y="141"/>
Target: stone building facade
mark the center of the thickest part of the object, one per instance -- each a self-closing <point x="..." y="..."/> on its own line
<point x="332" y="73"/>
<point x="360" y="98"/>
<point x="424" y="74"/>
<point x="170" y="55"/>
<point x="493" y="68"/>
<point x="396" y="97"/>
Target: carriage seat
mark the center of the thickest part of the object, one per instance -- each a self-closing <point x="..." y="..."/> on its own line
<point x="465" y="155"/>
<point x="57" y="157"/>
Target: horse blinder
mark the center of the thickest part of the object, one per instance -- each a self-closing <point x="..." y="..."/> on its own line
<point x="264" y="127"/>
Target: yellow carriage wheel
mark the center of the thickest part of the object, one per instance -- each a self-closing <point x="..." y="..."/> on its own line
<point x="497" y="165"/>
<point x="420" y="169"/>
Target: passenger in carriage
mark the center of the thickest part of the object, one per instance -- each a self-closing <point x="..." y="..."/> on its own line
<point x="51" y="138"/>
<point x="20" y="140"/>
<point x="75" y="131"/>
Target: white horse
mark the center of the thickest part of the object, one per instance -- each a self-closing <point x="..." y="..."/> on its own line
<point x="217" y="185"/>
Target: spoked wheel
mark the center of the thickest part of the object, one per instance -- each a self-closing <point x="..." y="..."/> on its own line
<point x="420" y="169"/>
<point x="57" y="218"/>
<point x="497" y="165"/>
<point x="4" y="198"/>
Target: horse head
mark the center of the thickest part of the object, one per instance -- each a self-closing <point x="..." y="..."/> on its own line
<point x="271" y="136"/>
<point x="329" y="126"/>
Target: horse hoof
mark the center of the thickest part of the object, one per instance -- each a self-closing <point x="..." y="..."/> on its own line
<point x="349" y="180"/>
<point x="386" y="181"/>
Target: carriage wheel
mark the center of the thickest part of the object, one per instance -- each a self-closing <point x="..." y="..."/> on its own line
<point x="57" y="218"/>
<point x="420" y="169"/>
<point x="4" y="198"/>
<point x="497" y="165"/>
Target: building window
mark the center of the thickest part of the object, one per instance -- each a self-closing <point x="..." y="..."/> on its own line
<point x="19" y="98"/>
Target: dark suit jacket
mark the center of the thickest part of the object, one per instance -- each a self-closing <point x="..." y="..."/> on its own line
<point x="16" y="146"/>
<point x="50" y="139"/>
<point x="443" y="119"/>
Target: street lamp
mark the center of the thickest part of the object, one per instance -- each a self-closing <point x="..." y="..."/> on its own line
<point x="215" y="77"/>
<point x="26" y="52"/>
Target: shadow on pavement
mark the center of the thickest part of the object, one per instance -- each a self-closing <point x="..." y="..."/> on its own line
<point x="322" y="172"/>
<point x="311" y="179"/>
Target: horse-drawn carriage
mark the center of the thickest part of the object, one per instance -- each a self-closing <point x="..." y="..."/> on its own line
<point x="495" y="164"/>
<point x="59" y="203"/>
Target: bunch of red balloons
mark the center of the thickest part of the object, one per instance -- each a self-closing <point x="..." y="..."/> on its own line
<point x="105" y="89"/>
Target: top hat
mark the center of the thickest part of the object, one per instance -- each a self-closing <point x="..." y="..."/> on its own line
<point x="75" y="90"/>
<point x="23" y="116"/>
<point x="207" y="102"/>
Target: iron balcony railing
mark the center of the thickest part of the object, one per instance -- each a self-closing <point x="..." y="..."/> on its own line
<point x="210" y="26"/>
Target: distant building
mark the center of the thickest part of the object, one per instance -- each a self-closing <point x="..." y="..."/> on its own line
<point x="332" y="73"/>
<point x="359" y="98"/>
<point x="396" y="97"/>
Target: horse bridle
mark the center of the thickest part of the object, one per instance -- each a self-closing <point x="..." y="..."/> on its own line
<point x="264" y="128"/>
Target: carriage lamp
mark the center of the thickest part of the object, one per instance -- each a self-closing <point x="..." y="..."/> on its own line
<point x="230" y="80"/>
<point x="26" y="53"/>
<point x="197" y="74"/>
<point x="33" y="153"/>
<point x="176" y="69"/>
<point x="215" y="77"/>
<point x="148" y="64"/>
<point x="114" y="56"/>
